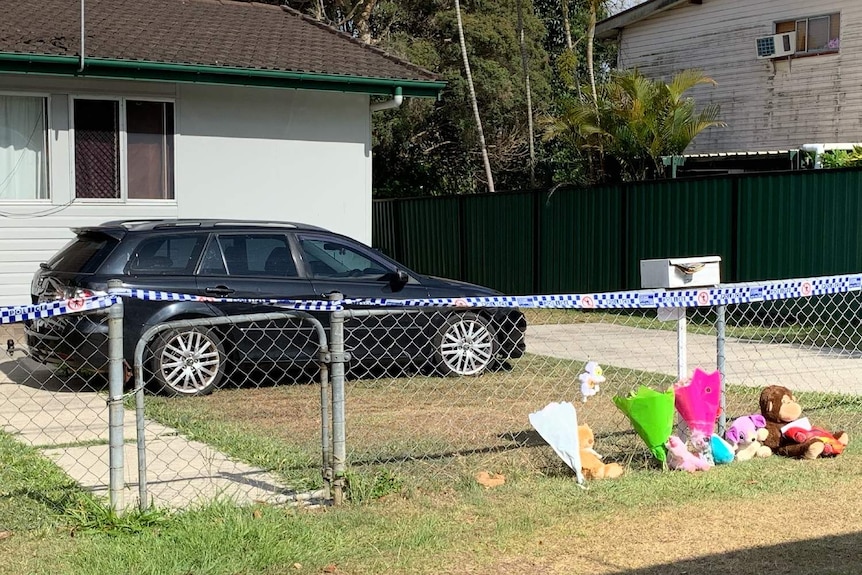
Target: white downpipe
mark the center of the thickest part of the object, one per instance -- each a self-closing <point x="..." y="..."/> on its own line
<point x="81" y="66"/>
<point x="818" y="150"/>
<point x="393" y="103"/>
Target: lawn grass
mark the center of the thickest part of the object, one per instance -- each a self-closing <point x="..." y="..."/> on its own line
<point x="460" y="528"/>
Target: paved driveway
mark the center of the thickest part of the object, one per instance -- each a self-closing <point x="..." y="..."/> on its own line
<point x="68" y="422"/>
<point x="747" y="363"/>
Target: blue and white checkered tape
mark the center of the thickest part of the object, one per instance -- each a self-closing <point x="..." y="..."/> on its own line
<point x="16" y="314"/>
<point x="305" y="305"/>
<point x="720" y="295"/>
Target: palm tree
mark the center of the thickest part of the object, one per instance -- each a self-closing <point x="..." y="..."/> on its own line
<point x="635" y="122"/>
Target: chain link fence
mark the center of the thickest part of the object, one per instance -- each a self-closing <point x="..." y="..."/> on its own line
<point x="289" y="406"/>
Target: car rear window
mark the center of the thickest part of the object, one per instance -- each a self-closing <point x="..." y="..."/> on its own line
<point x="84" y="254"/>
<point x="167" y="254"/>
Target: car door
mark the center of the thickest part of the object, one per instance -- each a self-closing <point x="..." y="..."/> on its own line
<point x="163" y="262"/>
<point x="338" y="264"/>
<point x="258" y="265"/>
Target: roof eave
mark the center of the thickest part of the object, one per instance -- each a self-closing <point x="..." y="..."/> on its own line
<point x="42" y="64"/>
<point x="610" y="27"/>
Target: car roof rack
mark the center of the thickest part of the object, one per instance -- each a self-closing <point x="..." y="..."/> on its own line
<point x="157" y="224"/>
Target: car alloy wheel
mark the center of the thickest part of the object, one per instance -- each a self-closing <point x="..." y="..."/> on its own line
<point x="189" y="361"/>
<point x="465" y="345"/>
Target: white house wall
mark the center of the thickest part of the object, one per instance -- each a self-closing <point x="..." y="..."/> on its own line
<point x="248" y="153"/>
<point x="767" y="104"/>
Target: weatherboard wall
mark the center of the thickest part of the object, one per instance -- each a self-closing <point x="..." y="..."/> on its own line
<point x="241" y="153"/>
<point x="768" y="104"/>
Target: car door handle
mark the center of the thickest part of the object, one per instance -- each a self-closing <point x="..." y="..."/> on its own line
<point x="220" y="290"/>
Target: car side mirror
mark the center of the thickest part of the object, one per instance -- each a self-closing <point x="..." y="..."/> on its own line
<point x="399" y="279"/>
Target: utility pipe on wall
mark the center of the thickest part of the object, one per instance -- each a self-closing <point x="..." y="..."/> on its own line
<point x="393" y="103"/>
<point x="81" y="66"/>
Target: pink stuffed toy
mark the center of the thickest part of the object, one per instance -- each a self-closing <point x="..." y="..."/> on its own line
<point x="679" y="457"/>
<point x="745" y="434"/>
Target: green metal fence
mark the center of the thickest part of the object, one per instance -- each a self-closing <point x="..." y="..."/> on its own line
<point x="764" y="226"/>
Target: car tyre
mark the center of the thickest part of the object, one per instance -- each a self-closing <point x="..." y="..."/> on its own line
<point x="465" y="345"/>
<point x="188" y="361"/>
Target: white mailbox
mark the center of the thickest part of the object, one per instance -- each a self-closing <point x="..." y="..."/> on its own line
<point x="681" y="272"/>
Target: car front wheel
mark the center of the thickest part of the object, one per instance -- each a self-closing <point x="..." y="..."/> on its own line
<point x="465" y="345"/>
<point x="188" y="361"/>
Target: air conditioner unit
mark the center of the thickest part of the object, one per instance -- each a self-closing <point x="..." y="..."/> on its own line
<point x="776" y="45"/>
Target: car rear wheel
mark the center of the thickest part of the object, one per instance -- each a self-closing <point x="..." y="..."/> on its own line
<point x="465" y="345"/>
<point x="188" y="361"/>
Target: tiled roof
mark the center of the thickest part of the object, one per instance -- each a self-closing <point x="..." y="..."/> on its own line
<point x="221" y="33"/>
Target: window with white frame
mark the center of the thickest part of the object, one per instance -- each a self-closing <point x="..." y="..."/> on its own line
<point x="124" y="149"/>
<point x="815" y="35"/>
<point x="23" y="148"/>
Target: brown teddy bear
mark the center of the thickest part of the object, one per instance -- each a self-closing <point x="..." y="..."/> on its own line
<point x="591" y="462"/>
<point x="779" y="407"/>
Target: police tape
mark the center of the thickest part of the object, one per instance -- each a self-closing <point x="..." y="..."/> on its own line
<point x="304" y="305"/>
<point x="19" y="313"/>
<point x="725" y="294"/>
<point x="650" y="298"/>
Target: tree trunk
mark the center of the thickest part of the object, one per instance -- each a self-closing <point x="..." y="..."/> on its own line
<point x="567" y="26"/>
<point x="363" y="21"/>
<point x="473" y="100"/>
<point x="591" y="36"/>
<point x="526" y="69"/>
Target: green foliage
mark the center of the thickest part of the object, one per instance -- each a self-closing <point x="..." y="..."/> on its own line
<point x="93" y="516"/>
<point x="638" y="120"/>
<point x="431" y="148"/>
<point x="364" y="487"/>
<point x="842" y="158"/>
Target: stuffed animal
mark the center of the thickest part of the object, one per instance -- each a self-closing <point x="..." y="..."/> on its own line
<point x="722" y="451"/>
<point x="590" y="379"/>
<point x="779" y="407"/>
<point x="715" y="450"/>
<point x="745" y="434"/>
<point x="679" y="457"/>
<point x="591" y="462"/>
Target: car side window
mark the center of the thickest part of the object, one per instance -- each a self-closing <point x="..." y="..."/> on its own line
<point x="331" y="258"/>
<point x="167" y="255"/>
<point x="266" y="255"/>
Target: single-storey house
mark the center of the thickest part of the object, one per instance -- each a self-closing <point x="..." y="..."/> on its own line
<point x="182" y="108"/>
<point x="788" y="72"/>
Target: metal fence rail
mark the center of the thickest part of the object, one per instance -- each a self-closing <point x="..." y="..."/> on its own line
<point x="356" y="397"/>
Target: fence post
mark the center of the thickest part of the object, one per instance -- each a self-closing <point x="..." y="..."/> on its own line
<point x="337" y="359"/>
<point x="719" y="360"/>
<point x="115" y="399"/>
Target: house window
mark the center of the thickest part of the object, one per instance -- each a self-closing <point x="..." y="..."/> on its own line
<point x="124" y="149"/>
<point x="815" y="35"/>
<point x="23" y="148"/>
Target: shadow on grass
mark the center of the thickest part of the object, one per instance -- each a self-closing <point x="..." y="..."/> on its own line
<point x="833" y="555"/>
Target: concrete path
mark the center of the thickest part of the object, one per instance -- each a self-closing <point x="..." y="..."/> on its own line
<point x="747" y="363"/>
<point x="68" y="422"/>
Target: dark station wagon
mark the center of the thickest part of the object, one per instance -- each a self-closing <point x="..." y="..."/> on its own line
<point x="239" y="259"/>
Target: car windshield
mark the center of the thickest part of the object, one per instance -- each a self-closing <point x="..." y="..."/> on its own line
<point x="84" y="254"/>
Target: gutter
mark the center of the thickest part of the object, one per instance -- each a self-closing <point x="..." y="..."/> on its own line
<point x="610" y="27"/>
<point x="215" y="75"/>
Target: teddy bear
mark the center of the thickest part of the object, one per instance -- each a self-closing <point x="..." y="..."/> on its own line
<point x="779" y="407"/>
<point x="590" y="379"/>
<point x="746" y="435"/>
<point x="591" y="462"/>
<point x="679" y="457"/>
